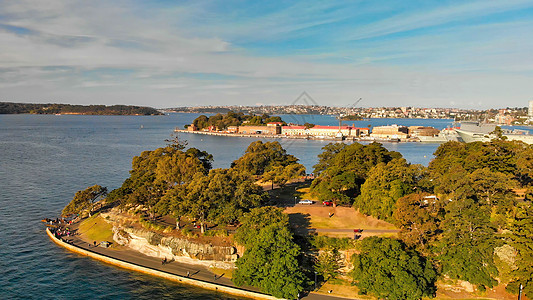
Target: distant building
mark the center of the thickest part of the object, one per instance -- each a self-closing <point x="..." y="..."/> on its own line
<point x="259" y="129"/>
<point x="192" y="127"/>
<point x="294" y="130"/>
<point x="324" y="131"/>
<point x="390" y="132"/>
<point x="332" y="131"/>
<point x="504" y="119"/>
<point x="423" y="131"/>
<point x="233" y="129"/>
<point x="276" y="126"/>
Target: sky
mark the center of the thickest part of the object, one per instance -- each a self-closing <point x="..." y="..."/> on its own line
<point x="461" y="54"/>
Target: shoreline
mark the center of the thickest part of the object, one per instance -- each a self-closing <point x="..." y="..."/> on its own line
<point x="162" y="274"/>
<point x="300" y="137"/>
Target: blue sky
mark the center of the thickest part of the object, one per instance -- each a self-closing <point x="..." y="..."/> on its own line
<point x="466" y="54"/>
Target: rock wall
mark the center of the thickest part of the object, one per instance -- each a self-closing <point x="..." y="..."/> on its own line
<point x="172" y="248"/>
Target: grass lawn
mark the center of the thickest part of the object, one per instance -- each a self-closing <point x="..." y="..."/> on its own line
<point x="342" y="217"/>
<point x="96" y="229"/>
<point x="342" y="288"/>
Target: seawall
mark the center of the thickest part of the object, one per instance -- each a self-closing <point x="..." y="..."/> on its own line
<point x="177" y="278"/>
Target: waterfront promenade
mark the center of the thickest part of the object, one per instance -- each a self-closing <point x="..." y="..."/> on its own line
<point x="296" y="137"/>
<point x="197" y="275"/>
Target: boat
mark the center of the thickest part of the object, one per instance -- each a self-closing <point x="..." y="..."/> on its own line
<point x="445" y="135"/>
<point x="481" y="132"/>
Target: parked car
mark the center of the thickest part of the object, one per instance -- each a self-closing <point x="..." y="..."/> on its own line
<point x="306" y="201"/>
<point x="327" y="203"/>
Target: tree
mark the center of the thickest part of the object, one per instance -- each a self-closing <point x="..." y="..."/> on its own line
<point x="521" y="238"/>
<point x="386" y="183"/>
<point x="281" y="175"/>
<point x="387" y="269"/>
<point x="453" y="184"/>
<point x="270" y="260"/>
<point x="493" y="188"/>
<point x="221" y="197"/>
<point x="343" y="171"/>
<point x="524" y="164"/>
<point x="328" y="264"/>
<point x="257" y="219"/>
<point x="201" y="122"/>
<point x="263" y="157"/>
<point x="84" y="200"/>
<point x="220" y="121"/>
<point x="466" y="247"/>
<point x="325" y="158"/>
<point x="155" y="172"/>
<point x="418" y="219"/>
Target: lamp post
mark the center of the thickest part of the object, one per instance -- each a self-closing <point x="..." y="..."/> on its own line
<point x="520" y="292"/>
<point x="315" y="279"/>
<point x="295" y="200"/>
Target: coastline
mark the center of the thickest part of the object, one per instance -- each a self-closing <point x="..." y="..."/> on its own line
<point x="300" y="137"/>
<point x="162" y="274"/>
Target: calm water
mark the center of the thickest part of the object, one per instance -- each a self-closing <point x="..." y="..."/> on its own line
<point x="44" y="160"/>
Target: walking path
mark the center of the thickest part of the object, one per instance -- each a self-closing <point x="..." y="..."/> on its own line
<point x="198" y="275"/>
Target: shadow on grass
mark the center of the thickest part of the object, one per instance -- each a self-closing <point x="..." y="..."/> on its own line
<point x="301" y="223"/>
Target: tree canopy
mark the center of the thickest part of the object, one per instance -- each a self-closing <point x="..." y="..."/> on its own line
<point x="178" y="181"/>
<point x="270" y="162"/>
<point x="84" y="200"/>
<point x="385" y="184"/>
<point x="343" y="169"/>
<point x="386" y="268"/>
<point x="466" y="247"/>
<point x="32" y="108"/>
<point x="270" y="261"/>
<point x="220" y="121"/>
<point x="521" y="238"/>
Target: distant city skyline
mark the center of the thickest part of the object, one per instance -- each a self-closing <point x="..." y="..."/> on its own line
<point x="460" y="54"/>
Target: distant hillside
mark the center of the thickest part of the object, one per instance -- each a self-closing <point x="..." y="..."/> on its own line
<point x="32" y="108"/>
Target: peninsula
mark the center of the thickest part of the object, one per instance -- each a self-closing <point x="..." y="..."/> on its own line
<point x="365" y="223"/>
<point x="69" y="109"/>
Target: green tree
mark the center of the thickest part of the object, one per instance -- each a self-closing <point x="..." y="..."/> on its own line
<point x="524" y="164"/>
<point x="454" y="184"/>
<point x="466" y="247"/>
<point x="521" y="238"/>
<point x="155" y="172"/>
<point x="493" y="188"/>
<point x="282" y="174"/>
<point x="343" y="171"/>
<point x="386" y="183"/>
<point x="270" y="260"/>
<point x="84" y="200"/>
<point x="221" y="197"/>
<point x="263" y="157"/>
<point x="328" y="264"/>
<point x="387" y="269"/>
<point x="201" y="122"/>
<point x="325" y="158"/>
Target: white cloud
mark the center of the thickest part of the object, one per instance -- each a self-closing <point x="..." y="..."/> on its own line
<point x="164" y="54"/>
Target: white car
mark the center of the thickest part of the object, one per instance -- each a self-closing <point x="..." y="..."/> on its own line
<point x="306" y="201"/>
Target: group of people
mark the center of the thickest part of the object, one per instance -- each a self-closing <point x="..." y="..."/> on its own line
<point x="60" y="233"/>
<point x="57" y="221"/>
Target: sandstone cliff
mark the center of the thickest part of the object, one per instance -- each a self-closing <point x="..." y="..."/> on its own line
<point x="173" y="248"/>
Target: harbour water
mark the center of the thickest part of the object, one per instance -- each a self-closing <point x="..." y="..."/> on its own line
<point x="45" y="159"/>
